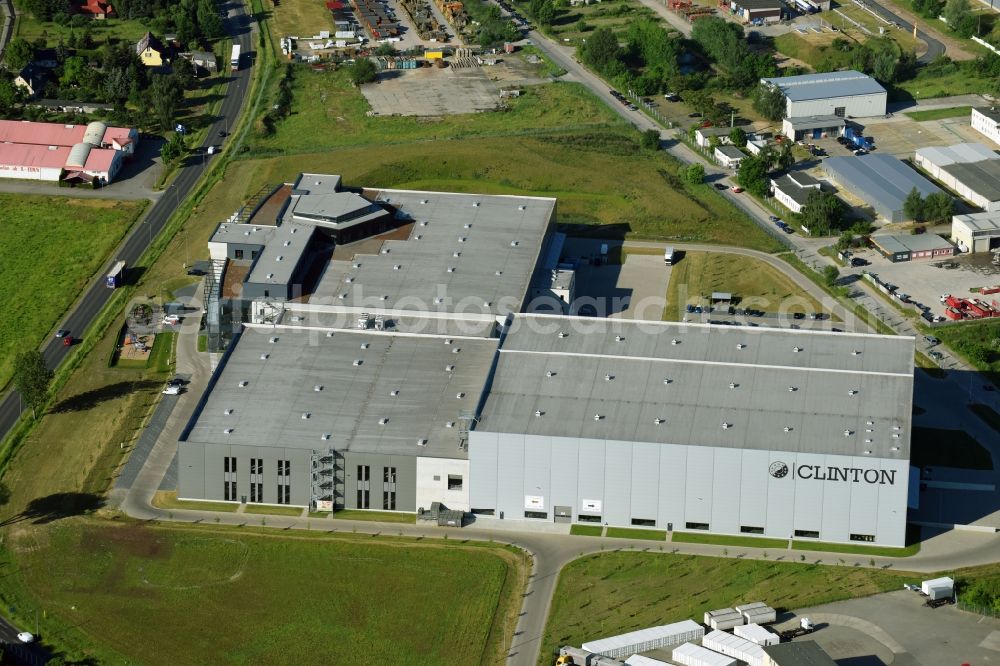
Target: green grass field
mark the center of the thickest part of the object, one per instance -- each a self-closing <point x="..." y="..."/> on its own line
<point x="51" y="247"/>
<point x="978" y="343"/>
<point x="939" y="114"/>
<point x="31" y="29"/>
<point x="630" y="533"/>
<point x="266" y="510"/>
<point x="756" y="283"/>
<point x="329" y="112"/>
<point x="377" y="516"/>
<point x="948" y="448"/>
<point x="586" y="530"/>
<point x="851" y="549"/>
<point x="612" y="593"/>
<point x="236" y="596"/>
<point x="167" y="499"/>
<point x="816" y="51"/>
<point x="727" y="540"/>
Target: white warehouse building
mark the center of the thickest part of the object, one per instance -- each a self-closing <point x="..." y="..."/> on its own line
<point x="842" y="94"/>
<point x="972" y="170"/>
<point x="783" y="433"/>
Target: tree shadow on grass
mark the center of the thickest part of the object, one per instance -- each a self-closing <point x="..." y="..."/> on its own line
<point x="90" y="399"/>
<point x="44" y="510"/>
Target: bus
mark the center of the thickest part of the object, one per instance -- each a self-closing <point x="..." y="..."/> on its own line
<point x="234" y="59"/>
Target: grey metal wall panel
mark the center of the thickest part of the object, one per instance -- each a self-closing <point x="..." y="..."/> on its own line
<point x="673" y="485"/>
<point x="191" y="470"/>
<point x="837" y="501"/>
<point x="726" y="491"/>
<point x="617" y="477"/>
<point x="563" y="466"/>
<point x="510" y="480"/>
<point x="698" y="497"/>
<point x="406" y="480"/>
<point x="646" y="484"/>
<point x="537" y="462"/>
<point x="780" y="496"/>
<point x="483" y="470"/>
<point x="753" y="488"/>
<point x="808" y="505"/>
<point x="590" y="470"/>
<point x="864" y="498"/>
<point x="891" y="518"/>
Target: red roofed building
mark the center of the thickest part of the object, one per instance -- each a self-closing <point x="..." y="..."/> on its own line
<point x="99" y="9"/>
<point x="51" y="151"/>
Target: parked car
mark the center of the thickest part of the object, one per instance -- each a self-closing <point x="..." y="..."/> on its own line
<point x="936" y="355"/>
<point x="720" y="186"/>
<point x="26" y="637"/>
<point x="171" y="389"/>
<point x="195" y="271"/>
<point x="67" y="341"/>
<point x="171" y="320"/>
<point x="858" y="261"/>
<point x="736" y="188"/>
<point x="774" y="218"/>
<point x="787" y="229"/>
<point x="931" y="340"/>
<point x="62" y="333"/>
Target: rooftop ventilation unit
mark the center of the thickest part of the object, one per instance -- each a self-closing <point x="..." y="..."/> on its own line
<point x="895" y="435"/>
<point x="793" y="389"/>
<point x="449" y="368"/>
<point x="423" y="201"/>
<point x="869" y="430"/>
<point x="675" y="341"/>
<point x="318" y="388"/>
<point x="456" y="350"/>
<point x="514" y="243"/>
<point x="726" y="425"/>
<point x="424" y="223"/>
<point x="733" y="385"/>
<point x="467" y="225"/>
<point x="383" y="297"/>
<point x="295" y="230"/>
<point x="394" y="392"/>
<point x="451" y="269"/>
<point x="667" y="380"/>
<point x="608" y="378"/>
<point x="357" y="362"/>
<point x="227" y="412"/>
<point x="449" y="424"/>
<point x="741" y="346"/>
<point x="244" y="383"/>
<point x="329" y="334"/>
<point x="306" y="415"/>
<point x="563" y="334"/>
<point x="598" y="417"/>
<point x="459" y="395"/>
<point x="868" y="452"/>
<point x="787" y="428"/>
<point x="619" y="338"/>
<point x="263" y="357"/>
<point x="256" y="228"/>
<point x="417" y="237"/>
<point x="462" y="239"/>
<point x="549" y="373"/>
<point x="475" y="204"/>
<point x="657" y="420"/>
<point x="848" y="433"/>
<point x="855" y="353"/>
<point x="342" y="296"/>
<point x="356" y="265"/>
<point x="487" y="304"/>
<point x="421" y="442"/>
<point x="796" y="349"/>
<point x="287" y="243"/>
<point x="538" y="412"/>
<point x="439" y="300"/>
<point x="273" y="340"/>
<point x="456" y="254"/>
<point x="325" y="436"/>
<point x="228" y="431"/>
<point x="383" y="421"/>
<point x="270" y="276"/>
<point x="521" y="207"/>
<point x="498" y="273"/>
<point x="365" y="345"/>
<point x="870" y="422"/>
<point x="896" y="428"/>
<point x="278" y="258"/>
<point x="396" y="267"/>
<point x="385" y="250"/>
<point x="852" y="392"/>
<point x="894" y="448"/>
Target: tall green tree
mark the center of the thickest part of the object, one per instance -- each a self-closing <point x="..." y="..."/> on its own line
<point x="31" y="379"/>
<point x="823" y="212"/>
<point x="163" y="95"/>
<point x="913" y="205"/>
<point x="18" y="54"/>
<point x="752" y="175"/>
<point x="960" y="18"/>
<point x="362" y="71"/>
<point x="738" y="136"/>
<point x="938" y="207"/>
<point x="769" y="102"/>
<point x="602" y="52"/>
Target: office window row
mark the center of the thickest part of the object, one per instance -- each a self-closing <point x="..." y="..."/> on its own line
<point x="364" y="487"/>
<point x="229" y="481"/>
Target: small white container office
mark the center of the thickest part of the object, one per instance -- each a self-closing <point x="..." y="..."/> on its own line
<point x="938" y="588"/>
<point x="757" y="634"/>
<point x="690" y="654"/>
<point x="757" y="613"/>
<point x="734" y="646"/>
<point x="639" y="660"/>
<point x="643" y="640"/>
<point x="723" y="618"/>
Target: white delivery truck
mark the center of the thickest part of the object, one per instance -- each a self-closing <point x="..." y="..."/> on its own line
<point x="668" y="256"/>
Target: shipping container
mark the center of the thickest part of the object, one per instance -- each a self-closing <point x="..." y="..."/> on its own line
<point x="644" y="640"/>
<point x="757" y="634"/>
<point x="761" y="615"/>
<point x="695" y="655"/>
<point x="734" y="646"/>
<point x="724" y="618"/>
<point x="941" y="587"/>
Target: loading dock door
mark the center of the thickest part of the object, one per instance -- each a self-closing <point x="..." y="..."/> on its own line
<point x="563" y="514"/>
<point x="818" y="133"/>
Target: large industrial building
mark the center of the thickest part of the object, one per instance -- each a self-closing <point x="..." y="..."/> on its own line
<point x="418" y="370"/>
<point x="976" y="232"/>
<point x="846" y="94"/>
<point x="971" y="170"/>
<point x="92" y="153"/>
<point x="881" y="181"/>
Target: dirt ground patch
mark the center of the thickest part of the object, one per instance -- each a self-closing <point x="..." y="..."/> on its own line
<point x="432" y="92"/>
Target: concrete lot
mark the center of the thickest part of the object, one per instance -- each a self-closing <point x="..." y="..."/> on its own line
<point x="432" y="92"/>
<point x="897" y="628"/>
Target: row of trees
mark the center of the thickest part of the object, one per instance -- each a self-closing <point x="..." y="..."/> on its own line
<point x="932" y="208"/>
<point x="647" y="64"/>
<point x="753" y="174"/>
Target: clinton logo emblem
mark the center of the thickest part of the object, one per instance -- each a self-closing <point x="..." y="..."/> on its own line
<point x="778" y="470"/>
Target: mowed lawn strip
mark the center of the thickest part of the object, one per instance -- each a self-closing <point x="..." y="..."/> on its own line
<point x="300" y="600"/>
<point x="51" y="247"/>
<point x="586" y="530"/>
<point x="612" y="593"/>
<point x="868" y="551"/>
<point x="756" y="284"/>
<point x="940" y="114"/>
<point x="728" y="540"/>
<point x="629" y="533"/>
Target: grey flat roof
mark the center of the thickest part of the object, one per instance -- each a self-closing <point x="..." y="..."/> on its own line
<point x="793" y="188"/>
<point x="758" y="4"/>
<point x="992" y="113"/>
<point x="713" y="131"/>
<point x="960" y="152"/>
<point x="912" y="243"/>
<point x="827" y="85"/>
<point x="282" y="254"/>
<point x="337" y="210"/>
<point x="731" y="152"/>
<point x="816" y="122"/>
<point x="317" y="183"/>
<point x="468" y="250"/>
<point x="881" y="180"/>
<point x="249" y="234"/>
<point x="800" y="653"/>
<point x="687" y="385"/>
<point x="982" y="222"/>
<point x="307" y="315"/>
<point x="281" y="388"/>
<point x="983" y="177"/>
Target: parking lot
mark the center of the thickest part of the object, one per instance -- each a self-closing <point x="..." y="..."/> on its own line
<point x="897" y="628"/>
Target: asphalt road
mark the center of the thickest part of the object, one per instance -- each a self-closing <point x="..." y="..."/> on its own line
<point x="934" y="47"/>
<point x="238" y="25"/>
